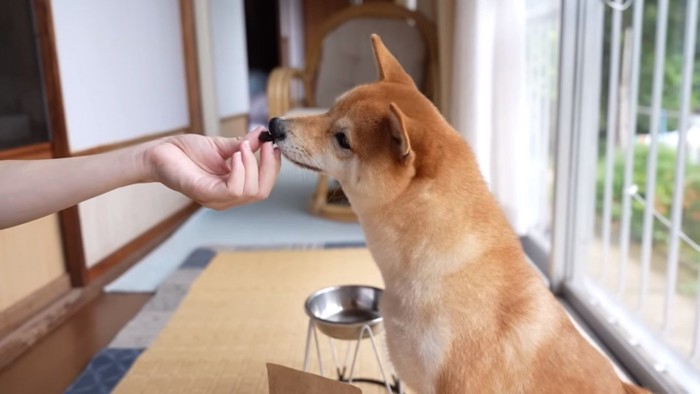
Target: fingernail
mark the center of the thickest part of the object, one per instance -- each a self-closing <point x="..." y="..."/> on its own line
<point x="246" y="145"/>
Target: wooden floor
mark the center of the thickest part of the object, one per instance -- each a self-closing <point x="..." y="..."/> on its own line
<point x="53" y="363"/>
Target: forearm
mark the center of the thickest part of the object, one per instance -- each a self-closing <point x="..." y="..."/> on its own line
<point x="30" y="189"/>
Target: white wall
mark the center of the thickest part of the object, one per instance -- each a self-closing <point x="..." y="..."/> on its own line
<point x="121" y="68"/>
<point x="230" y="56"/>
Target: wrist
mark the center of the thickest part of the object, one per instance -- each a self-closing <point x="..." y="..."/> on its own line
<point x="140" y="161"/>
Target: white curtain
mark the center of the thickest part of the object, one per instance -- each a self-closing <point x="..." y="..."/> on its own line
<point x="485" y="93"/>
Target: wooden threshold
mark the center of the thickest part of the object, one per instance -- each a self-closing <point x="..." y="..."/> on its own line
<point x="21" y="311"/>
<point x="23" y="337"/>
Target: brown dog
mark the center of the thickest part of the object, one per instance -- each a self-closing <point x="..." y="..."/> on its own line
<point x="463" y="311"/>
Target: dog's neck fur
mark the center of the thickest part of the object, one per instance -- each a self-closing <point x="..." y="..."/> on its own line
<point x="461" y="214"/>
<point x="419" y="252"/>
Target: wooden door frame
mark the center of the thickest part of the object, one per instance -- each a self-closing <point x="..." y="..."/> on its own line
<point x="71" y="232"/>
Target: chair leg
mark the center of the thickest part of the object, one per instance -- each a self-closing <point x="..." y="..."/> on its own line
<point x="320" y="196"/>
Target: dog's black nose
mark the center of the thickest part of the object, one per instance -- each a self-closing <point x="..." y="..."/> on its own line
<point x="277" y="129"/>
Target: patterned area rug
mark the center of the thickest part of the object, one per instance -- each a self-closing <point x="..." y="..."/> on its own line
<point x="105" y="370"/>
<point x="109" y="366"/>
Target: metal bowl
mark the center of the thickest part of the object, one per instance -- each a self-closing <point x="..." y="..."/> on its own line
<point x="341" y="311"/>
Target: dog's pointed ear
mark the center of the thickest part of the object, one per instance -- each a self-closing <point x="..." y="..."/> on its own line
<point x="399" y="134"/>
<point x="389" y="68"/>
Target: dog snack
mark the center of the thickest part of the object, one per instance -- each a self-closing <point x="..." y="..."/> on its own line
<point x="265" y="136"/>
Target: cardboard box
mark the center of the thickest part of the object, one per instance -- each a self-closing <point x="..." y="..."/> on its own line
<point x="284" y="380"/>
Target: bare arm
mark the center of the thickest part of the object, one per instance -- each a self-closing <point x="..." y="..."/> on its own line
<point x="216" y="172"/>
<point x="30" y="189"/>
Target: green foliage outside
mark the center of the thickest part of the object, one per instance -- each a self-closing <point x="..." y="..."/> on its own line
<point x="673" y="65"/>
<point x="670" y="104"/>
<point x="673" y="69"/>
<point x="663" y="198"/>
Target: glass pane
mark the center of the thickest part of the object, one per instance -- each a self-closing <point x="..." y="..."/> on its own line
<point x="630" y="269"/>
<point x="22" y="114"/>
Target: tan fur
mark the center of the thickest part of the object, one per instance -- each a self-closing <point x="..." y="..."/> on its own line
<point x="464" y="312"/>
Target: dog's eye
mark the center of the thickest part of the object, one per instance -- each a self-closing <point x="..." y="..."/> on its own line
<point x="342" y="140"/>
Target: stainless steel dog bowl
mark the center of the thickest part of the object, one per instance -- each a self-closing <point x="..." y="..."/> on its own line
<point x="341" y="311"/>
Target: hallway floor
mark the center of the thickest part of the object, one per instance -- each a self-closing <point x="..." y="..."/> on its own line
<point x="52" y="364"/>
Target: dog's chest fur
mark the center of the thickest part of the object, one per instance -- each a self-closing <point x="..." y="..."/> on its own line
<point x="417" y="340"/>
<point x="418" y="333"/>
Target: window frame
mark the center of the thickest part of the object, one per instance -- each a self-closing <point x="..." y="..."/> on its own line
<point x="563" y="261"/>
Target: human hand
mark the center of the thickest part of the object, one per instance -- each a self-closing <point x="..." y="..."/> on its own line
<point x="216" y="172"/>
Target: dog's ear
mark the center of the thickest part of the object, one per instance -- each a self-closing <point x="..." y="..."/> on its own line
<point x="389" y="68"/>
<point x="399" y="134"/>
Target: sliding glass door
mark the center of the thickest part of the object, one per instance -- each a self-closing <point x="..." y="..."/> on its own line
<point x="626" y="219"/>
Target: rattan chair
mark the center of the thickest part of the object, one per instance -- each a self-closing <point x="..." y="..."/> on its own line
<point x="341" y="58"/>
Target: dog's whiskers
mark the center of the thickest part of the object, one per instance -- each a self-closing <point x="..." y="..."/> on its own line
<point x="309" y="157"/>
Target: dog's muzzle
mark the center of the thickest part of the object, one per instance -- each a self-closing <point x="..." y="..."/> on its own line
<point x="278" y="129"/>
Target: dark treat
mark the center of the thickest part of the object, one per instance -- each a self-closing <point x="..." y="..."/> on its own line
<point x="265" y="136"/>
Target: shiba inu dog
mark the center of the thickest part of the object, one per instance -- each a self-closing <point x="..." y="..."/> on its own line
<point x="463" y="310"/>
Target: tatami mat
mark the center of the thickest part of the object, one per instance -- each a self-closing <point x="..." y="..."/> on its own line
<point x="246" y="309"/>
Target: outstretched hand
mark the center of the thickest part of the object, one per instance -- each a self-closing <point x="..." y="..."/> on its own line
<point x="216" y="172"/>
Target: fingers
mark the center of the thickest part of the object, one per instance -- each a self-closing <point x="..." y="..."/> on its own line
<point x="217" y="182"/>
<point x="270" y="163"/>
<point x="236" y="180"/>
<point x="247" y="181"/>
<point x="227" y="146"/>
<point x="250" y="190"/>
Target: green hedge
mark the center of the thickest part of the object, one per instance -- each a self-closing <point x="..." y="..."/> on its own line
<point x="665" y="176"/>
